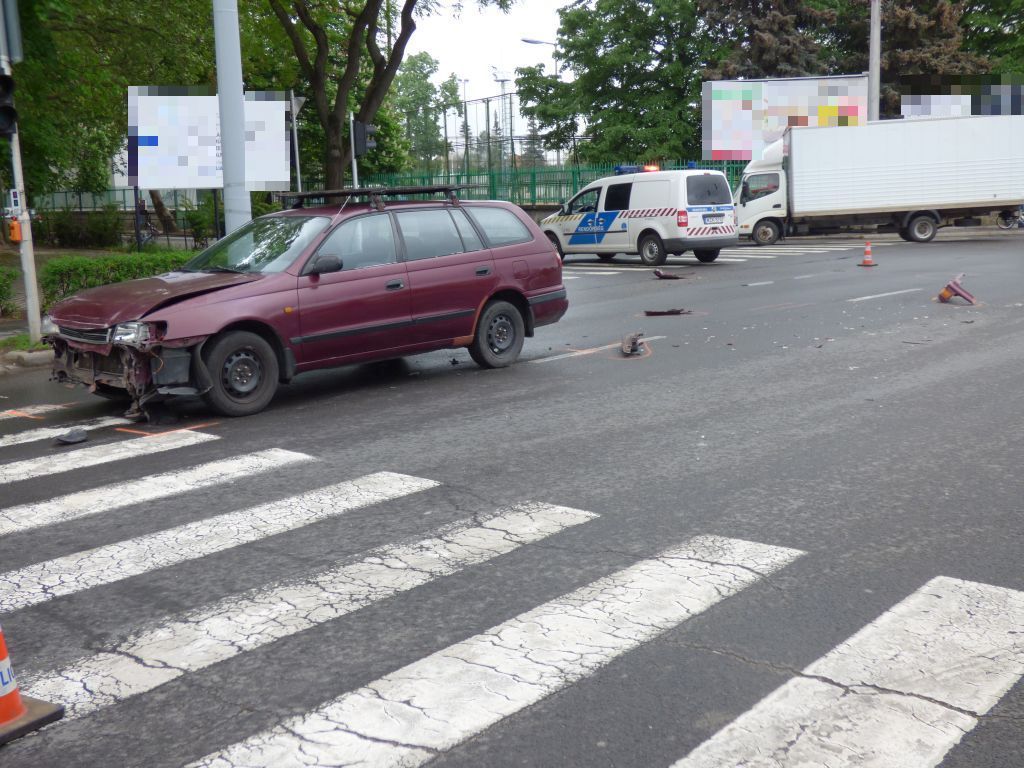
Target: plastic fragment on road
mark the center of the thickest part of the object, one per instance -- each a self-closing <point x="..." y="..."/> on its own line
<point x="72" y="437"/>
<point x="663" y="275"/>
<point x="663" y="312"/>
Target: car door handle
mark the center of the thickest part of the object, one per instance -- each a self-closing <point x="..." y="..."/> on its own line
<point x="395" y="285"/>
<point x="483" y="271"/>
<point x="777" y="205"/>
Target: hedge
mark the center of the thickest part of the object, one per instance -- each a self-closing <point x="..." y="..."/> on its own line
<point x="7" y="277"/>
<point x="65" y="275"/>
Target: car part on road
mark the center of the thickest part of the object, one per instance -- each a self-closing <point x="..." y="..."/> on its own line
<point x="706" y="257"/>
<point x="766" y="233"/>
<point x="652" y="250"/>
<point x="663" y="275"/>
<point x="73" y="436"/>
<point x="499" y="336"/>
<point x="663" y="312"/>
<point x="953" y="288"/>
<point x="632" y="344"/>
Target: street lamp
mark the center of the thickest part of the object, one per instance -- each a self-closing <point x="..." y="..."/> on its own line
<point x="554" y="53"/>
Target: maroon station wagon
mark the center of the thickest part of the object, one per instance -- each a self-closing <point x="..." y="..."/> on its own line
<point x="311" y="288"/>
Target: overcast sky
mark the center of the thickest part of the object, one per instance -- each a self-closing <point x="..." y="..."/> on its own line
<point x="480" y="39"/>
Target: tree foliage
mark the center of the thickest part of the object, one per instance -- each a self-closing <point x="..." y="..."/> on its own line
<point x="420" y="105"/>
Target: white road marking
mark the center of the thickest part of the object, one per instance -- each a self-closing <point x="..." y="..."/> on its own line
<point x="727" y="260"/>
<point x="409" y="716"/>
<point x="754" y="285"/>
<point x="50" y="433"/>
<point x="752" y="255"/>
<point x="594" y="350"/>
<point x="150" y="488"/>
<point x="883" y="295"/>
<point x="121" y="560"/>
<point x="901" y="692"/>
<point x="29" y="410"/>
<point x="808" y="277"/>
<point x="79" y="458"/>
<point x="240" y="623"/>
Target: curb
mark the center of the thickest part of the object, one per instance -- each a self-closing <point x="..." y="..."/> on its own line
<point x="12" y="362"/>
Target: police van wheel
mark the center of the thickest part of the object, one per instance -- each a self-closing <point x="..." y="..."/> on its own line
<point x="606" y="256"/>
<point x="652" y="250"/>
<point x="706" y="257"/>
<point x="557" y="245"/>
<point x="766" y="233"/>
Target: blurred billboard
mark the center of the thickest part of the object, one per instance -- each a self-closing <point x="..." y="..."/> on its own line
<point x="741" y="117"/>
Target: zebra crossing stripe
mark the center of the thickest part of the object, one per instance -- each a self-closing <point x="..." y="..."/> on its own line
<point x="106" y="565"/>
<point x="49" y="433"/>
<point x="407" y="717"/>
<point x="81" y="458"/>
<point x="901" y="692"/>
<point x="237" y="624"/>
<point x="30" y="411"/>
<point x="90" y="502"/>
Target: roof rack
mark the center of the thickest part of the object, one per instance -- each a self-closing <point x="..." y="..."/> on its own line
<point x="375" y="193"/>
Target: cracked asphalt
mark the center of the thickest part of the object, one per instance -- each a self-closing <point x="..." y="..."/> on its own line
<point x="458" y="567"/>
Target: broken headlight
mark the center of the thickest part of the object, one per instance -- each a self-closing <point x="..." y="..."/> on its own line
<point x="133" y="333"/>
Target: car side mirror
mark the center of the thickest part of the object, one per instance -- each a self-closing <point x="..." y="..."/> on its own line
<point x="324" y="263"/>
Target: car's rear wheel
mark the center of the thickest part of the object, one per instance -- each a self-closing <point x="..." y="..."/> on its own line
<point x="706" y="257"/>
<point x="652" y="250"/>
<point x="556" y="244"/>
<point x="244" y="371"/>
<point x="499" y="336"/>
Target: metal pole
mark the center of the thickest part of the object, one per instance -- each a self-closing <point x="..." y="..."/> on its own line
<point x="138" y="224"/>
<point x="465" y="124"/>
<point x="231" y="99"/>
<point x="216" y="218"/>
<point x="352" y="143"/>
<point x="295" y="141"/>
<point x="875" y="60"/>
<point x="447" y="151"/>
<point x="25" y="249"/>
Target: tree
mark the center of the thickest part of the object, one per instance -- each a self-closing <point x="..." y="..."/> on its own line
<point x="533" y="149"/>
<point x="638" y="79"/>
<point x="421" y="103"/>
<point x="995" y="29"/>
<point x="350" y="59"/>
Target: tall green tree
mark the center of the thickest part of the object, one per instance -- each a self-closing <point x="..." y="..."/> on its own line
<point x="349" y="54"/>
<point x="422" y="104"/>
<point x="995" y="29"/>
<point x="637" y="79"/>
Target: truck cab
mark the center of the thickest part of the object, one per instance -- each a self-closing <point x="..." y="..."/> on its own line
<point x="761" y="208"/>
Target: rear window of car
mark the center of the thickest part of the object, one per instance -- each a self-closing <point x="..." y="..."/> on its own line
<point x="500" y="226"/>
<point x="711" y="189"/>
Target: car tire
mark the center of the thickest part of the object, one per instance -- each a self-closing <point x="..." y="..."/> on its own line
<point x="922" y="229"/>
<point x="558" y="246"/>
<point x="766" y="233"/>
<point x="244" y="371"/>
<point x="706" y="257"/>
<point x="499" y="336"/>
<point x="606" y="256"/>
<point x="652" y="250"/>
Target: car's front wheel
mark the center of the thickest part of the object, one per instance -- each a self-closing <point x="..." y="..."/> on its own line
<point x="244" y="371"/>
<point x="499" y="336"/>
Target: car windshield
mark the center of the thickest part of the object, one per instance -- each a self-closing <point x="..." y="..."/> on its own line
<point x="268" y="244"/>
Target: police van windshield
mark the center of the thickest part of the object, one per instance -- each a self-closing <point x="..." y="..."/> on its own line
<point x="711" y="189"/>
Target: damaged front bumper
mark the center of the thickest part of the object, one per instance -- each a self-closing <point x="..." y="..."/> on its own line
<point x="144" y="372"/>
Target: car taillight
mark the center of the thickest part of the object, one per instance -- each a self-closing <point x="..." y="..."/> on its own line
<point x="682" y="219"/>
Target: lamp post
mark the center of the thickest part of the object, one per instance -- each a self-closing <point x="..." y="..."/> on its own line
<point x="554" y="58"/>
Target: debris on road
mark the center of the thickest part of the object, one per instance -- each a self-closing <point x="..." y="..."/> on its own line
<point x="663" y="275"/>
<point x="73" y="436"/>
<point x="924" y="341"/>
<point x="632" y="344"/>
<point x="662" y="312"/>
<point x="953" y="288"/>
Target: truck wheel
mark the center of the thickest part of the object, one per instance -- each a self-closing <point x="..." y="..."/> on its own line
<point x="766" y="233"/>
<point x="706" y="257"/>
<point x="652" y="250"/>
<point x="922" y="228"/>
<point x="905" y="234"/>
<point x="244" y="370"/>
<point x="557" y="245"/>
<point x="499" y="336"/>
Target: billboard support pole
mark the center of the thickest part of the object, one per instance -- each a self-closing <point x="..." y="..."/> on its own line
<point x="875" y="60"/>
<point x="230" y="96"/>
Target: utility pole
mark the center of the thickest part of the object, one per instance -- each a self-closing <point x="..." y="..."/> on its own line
<point x="465" y="123"/>
<point x="875" y="60"/>
<point x="231" y="98"/>
<point x="10" y="52"/>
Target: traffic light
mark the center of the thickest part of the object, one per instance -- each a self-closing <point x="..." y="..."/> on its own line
<point x="8" y="115"/>
<point x="362" y="136"/>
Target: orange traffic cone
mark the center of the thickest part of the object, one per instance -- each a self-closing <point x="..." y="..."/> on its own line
<point x="867" y="262"/>
<point x="953" y="288"/>
<point x="20" y="714"/>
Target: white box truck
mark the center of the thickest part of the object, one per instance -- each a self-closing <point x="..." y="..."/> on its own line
<point x="913" y="176"/>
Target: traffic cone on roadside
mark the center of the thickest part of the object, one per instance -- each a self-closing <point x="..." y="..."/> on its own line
<point x="20" y="714"/>
<point x="953" y="288"/>
<point x="868" y="261"/>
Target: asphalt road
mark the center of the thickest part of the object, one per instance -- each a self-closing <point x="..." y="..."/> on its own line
<point x="583" y="560"/>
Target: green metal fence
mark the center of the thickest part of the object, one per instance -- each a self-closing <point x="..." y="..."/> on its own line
<point x="540" y="185"/>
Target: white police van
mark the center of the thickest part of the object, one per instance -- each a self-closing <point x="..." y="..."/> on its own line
<point x="652" y="213"/>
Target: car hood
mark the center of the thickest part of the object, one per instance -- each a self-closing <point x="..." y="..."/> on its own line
<point x="132" y="300"/>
